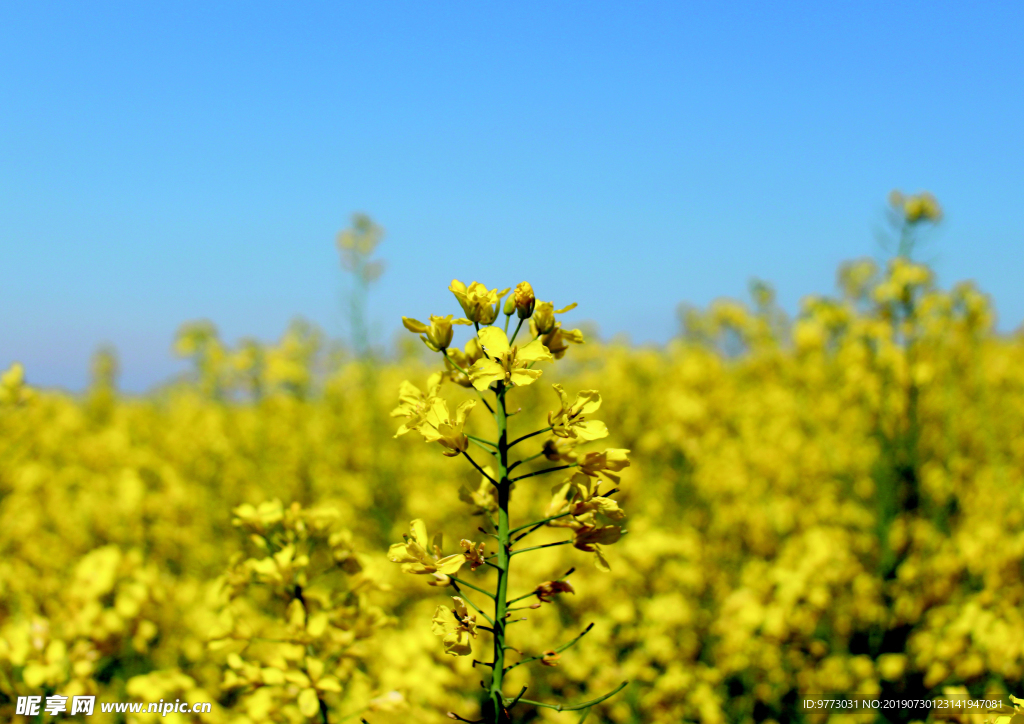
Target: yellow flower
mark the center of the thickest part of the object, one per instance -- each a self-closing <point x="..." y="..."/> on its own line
<point x="438" y="335"/>
<point x="412" y="403"/>
<point x="524" y="300"/>
<point x="455" y="627"/>
<point x="586" y="499"/>
<point x="474" y="553"/>
<point x="588" y="537"/>
<point x="438" y="426"/>
<point x="507" y="364"/>
<point x="415" y="559"/>
<point x="455" y="360"/>
<point x="543" y="320"/>
<point x="12" y="385"/>
<point x="480" y="304"/>
<point x="605" y="463"/>
<point x="556" y="339"/>
<point x="571" y="420"/>
<point x="550" y="658"/>
<point x="485" y="497"/>
<point x="546" y="591"/>
<point x="916" y="207"/>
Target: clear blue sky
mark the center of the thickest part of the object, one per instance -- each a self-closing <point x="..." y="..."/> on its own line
<point x="162" y="162"/>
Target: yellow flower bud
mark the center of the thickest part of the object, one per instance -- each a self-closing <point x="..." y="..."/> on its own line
<point x="524" y="300"/>
<point x="510" y="306"/>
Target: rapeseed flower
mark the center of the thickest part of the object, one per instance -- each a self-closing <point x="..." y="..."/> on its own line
<point x="480" y="304"/>
<point x="505" y="363"/>
<point x="571" y="420"/>
<point x="420" y="556"/>
<point x="455" y="627"/>
<point x="438" y="335"/>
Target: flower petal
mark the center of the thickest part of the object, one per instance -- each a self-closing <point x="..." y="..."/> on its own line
<point x="494" y="341"/>
<point x="535" y="351"/>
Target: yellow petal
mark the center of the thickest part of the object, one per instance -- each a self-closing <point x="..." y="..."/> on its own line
<point x="463" y="412"/>
<point x="309" y="704"/>
<point x="418" y="529"/>
<point x="535" y="351"/>
<point x="590" y="430"/>
<point x="457" y="644"/>
<point x="450" y="565"/>
<point x="609" y="507"/>
<point x="494" y="341"/>
<point x="444" y="621"/>
<point x="329" y="683"/>
<point x="522" y="377"/>
<point x="315" y="667"/>
<point x="587" y="402"/>
<point x="484" y="372"/>
<point x="414" y="325"/>
<point x="399" y="553"/>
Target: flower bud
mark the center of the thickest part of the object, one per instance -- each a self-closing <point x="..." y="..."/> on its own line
<point x="524" y="300"/>
<point x="510" y="306"/>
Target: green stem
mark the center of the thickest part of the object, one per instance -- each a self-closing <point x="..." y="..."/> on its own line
<point x="498" y="710"/>
<point x="467" y="584"/>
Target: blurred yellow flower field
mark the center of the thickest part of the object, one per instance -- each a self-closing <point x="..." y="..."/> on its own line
<point x="824" y="508"/>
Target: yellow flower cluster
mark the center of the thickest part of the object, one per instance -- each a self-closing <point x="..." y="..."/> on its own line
<point x="821" y="507"/>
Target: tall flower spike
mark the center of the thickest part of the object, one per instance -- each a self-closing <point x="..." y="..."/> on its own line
<point x="509" y="364"/>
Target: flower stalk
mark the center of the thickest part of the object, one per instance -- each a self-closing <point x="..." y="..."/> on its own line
<point x="493" y="365"/>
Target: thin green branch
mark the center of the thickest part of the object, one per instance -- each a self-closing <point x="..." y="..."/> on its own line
<point x="577" y="707"/>
<point x="480" y="469"/>
<point x="536" y="524"/>
<point x="545" y="470"/>
<point x="516" y="333"/>
<point x="513" y="702"/>
<point x="526" y="437"/>
<point x="485" y="449"/>
<point x="463" y="582"/>
<point x="517" y="463"/>
<point x="559" y="650"/>
<point x="546" y="545"/>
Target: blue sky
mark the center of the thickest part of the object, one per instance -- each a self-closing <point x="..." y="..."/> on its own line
<point x="163" y="162"/>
